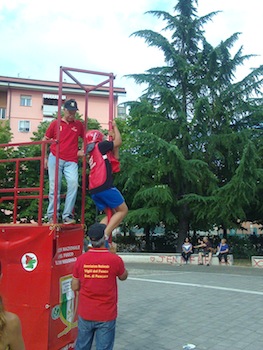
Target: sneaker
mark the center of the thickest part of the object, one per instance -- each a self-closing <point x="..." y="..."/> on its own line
<point x="50" y="221"/>
<point x="106" y="242"/>
<point x="68" y="220"/>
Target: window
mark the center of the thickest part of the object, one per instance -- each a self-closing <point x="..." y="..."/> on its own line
<point x="122" y="111"/>
<point x="25" y="101"/>
<point x="24" y="126"/>
<point x="2" y="113"/>
<point x="50" y="104"/>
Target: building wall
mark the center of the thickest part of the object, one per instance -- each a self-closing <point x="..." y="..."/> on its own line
<point x="98" y="108"/>
<point x="17" y="113"/>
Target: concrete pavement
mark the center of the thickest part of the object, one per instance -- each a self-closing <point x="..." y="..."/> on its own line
<point x="163" y="307"/>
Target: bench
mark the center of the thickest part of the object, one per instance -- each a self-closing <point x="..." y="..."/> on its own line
<point x="168" y="258"/>
<point x="257" y="261"/>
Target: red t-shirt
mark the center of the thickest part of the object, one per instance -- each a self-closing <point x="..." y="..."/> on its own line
<point x="69" y="136"/>
<point x="97" y="271"/>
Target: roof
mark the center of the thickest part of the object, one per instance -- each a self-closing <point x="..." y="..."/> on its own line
<point x="46" y="85"/>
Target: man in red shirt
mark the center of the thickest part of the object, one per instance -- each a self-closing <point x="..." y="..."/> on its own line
<point x="70" y="131"/>
<point x="94" y="278"/>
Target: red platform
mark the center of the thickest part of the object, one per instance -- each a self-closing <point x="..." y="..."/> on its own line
<point x="37" y="263"/>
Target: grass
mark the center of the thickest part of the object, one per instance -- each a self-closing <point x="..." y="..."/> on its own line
<point x="242" y="262"/>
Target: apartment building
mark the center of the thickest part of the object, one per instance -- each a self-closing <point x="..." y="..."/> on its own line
<point x="25" y="103"/>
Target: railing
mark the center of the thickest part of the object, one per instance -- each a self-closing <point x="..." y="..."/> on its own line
<point x="17" y="193"/>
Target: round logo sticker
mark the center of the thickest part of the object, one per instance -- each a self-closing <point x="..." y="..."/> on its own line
<point x="55" y="312"/>
<point x="29" y="261"/>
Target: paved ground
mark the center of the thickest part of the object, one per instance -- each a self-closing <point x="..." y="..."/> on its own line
<point x="163" y="307"/>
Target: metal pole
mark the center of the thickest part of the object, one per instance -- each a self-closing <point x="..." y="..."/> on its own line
<point x="55" y="218"/>
<point x="111" y="99"/>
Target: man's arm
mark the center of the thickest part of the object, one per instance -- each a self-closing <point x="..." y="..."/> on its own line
<point x="199" y="245"/>
<point x="45" y="138"/>
<point x="75" y="284"/>
<point x="81" y="152"/>
<point x="124" y="276"/>
<point x="117" y="141"/>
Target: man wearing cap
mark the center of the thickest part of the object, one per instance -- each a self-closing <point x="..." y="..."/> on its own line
<point x="70" y="131"/>
<point x="94" y="278"/>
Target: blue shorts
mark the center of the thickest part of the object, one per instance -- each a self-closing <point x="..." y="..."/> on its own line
<point x="111" y="198"/>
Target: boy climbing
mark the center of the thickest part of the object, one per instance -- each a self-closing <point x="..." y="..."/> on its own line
<point x="102" y="156"/>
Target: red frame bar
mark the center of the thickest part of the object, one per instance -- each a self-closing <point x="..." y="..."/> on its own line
<point x="87" y="90"/>
<point x="17" y="190"/>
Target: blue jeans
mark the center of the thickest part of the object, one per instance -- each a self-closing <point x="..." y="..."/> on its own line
<point x="104" y="334"/>
<point x="70" y="171"/>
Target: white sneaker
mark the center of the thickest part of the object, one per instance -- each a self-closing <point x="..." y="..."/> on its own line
<point x="68" y="220"/>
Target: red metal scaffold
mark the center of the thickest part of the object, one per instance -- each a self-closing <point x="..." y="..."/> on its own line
<point x="37" y="259"/>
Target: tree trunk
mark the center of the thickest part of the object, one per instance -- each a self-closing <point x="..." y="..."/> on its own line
<point x="147" y="237"/>
<point x="183" y="227"/>
<point x="224" y="232"/>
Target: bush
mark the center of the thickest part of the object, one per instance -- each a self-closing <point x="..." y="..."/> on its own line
<point x="242" y="247"/>
<point x="245" y="247"/>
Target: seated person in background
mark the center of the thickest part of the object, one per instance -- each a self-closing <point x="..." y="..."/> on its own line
<point x="187" y="250"/>
<point x="207" y="251"/>
<point x="10" y="329"/>
<point x="198" y="248"/>
<point x="222" y="251"/>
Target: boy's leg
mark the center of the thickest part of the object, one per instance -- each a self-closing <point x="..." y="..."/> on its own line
<point x="111" y="200"/>
<point x="209" y="258"/>
<point x="200" y="258"/>
<point x="117" y="217"/>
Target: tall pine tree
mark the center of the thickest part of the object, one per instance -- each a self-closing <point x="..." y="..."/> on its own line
<point x="193" y="130"/>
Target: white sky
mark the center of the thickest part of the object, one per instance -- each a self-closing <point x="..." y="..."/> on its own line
<point x="37" y="37"/>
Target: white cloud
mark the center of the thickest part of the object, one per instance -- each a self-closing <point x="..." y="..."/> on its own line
<point x="39" y="37"/>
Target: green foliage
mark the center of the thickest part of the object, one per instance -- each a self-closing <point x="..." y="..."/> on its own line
<point x="244" y="247"/>
<point x="5" y="132"/>
<point x="193" y="149"/>
<point x="6" y="170"/>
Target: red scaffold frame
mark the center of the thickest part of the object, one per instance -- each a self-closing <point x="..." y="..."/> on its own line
<point x="17" y="191"/>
